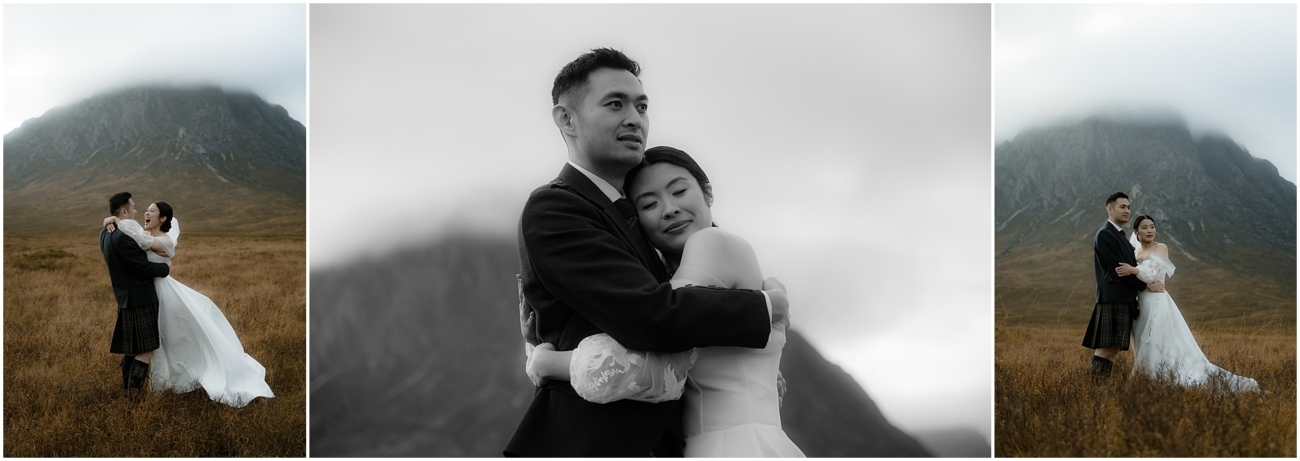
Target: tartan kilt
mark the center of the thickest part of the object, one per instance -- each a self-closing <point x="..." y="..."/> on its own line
<point x="136" y="331"/>
<point x="1111" y="325"/>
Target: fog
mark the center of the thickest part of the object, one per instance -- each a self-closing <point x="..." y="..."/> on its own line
<point x="1227" y="69"/>
<point x="848" y="143"/>
<point x="56" y="55"/>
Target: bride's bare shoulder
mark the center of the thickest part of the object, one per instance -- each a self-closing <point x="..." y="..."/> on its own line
<point x="715" y="239"/>
<point x="725" y="255"/>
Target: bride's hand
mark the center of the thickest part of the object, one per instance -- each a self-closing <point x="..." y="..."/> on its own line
<point x="533" y="352"/>
<point x="110" y="223"/>
<point x="1125" y="270"/>
<point x="780" y="303"/>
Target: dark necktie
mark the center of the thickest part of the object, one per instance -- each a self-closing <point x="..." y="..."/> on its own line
<point x="629" y="214"/>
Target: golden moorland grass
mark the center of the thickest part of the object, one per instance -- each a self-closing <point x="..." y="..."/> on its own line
<point x="62" y="388"/>
<point x="1047" y="406"/>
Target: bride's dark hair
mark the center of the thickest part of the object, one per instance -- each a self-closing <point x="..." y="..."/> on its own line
<point x="1138" y="221"/>
<point x="164" y="211"/>
<point x="671" y="155"/>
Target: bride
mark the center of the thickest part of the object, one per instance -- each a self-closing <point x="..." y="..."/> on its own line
<point x="1162" y="342"/>
<point x="199" y="347"/>
<point x="731" y="399"/>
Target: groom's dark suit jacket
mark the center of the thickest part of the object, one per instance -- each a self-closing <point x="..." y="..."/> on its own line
<point x="1109" y="248"/>
<point x="584" y="273"/>
<point x="130" y="270"/>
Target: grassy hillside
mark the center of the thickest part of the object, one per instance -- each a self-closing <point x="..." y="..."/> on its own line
<point x="63" y="390"/>
<point x="1046" y="405"/>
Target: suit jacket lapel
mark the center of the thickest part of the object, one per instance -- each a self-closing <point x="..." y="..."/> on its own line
<point x="573" y="179"/>
<point x="1126" y="250"/>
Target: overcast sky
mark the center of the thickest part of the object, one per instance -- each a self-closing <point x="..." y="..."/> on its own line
<point x="1225" y="68"/>
<point x="56" y="55"/>
<point x="850" y="144"/>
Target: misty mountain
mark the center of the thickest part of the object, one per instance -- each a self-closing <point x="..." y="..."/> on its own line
<point x="1210" y="198"/>
<point x="1228" y="217"/>
<point x="227" y="161"/>
<point x="955" y="443"/>
<point x="418" y="353"/>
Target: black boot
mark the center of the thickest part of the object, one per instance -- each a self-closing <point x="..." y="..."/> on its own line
<point x="139" y="373"/>
<point x="1100" y="368"/>
<point x="126" y="370"/>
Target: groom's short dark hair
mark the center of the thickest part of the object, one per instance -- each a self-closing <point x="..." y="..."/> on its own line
<point x="117" y="201"/>
<point x="1114" y="197"/>
<point x="572" y="79"/>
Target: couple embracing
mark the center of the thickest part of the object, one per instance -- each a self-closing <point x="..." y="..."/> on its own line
<point x="627" y="289"/>
<point x="1132" y="302"/>
<point x="170" y="336"/>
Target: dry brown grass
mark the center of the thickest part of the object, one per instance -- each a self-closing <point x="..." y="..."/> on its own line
<point x="1051" y="284"/>
<point x="62" y="389"/>
<point x="1047" y="406"/>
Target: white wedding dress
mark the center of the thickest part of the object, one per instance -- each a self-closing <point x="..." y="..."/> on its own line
<point x="731" y="401"/>
<point x="731" y="405"/>
<point x="1163" y="344"/>
<point x="199" y="347"/>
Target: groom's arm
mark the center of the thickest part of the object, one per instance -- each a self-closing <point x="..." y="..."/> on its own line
<point x="134" y="259"/>
<point x="1108" y="251"/>
<point x="593" y="272"/>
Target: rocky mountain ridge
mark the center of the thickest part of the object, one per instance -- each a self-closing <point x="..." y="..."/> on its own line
<point x="227" y="160"/>
<point x="1228" y="218"/>
<point x="1210" y="198"/>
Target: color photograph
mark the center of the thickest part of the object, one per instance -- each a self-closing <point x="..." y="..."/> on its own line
<point x="155" y="209"/>
<point x="469" y="274"/>
<point x="1145" y="230"/>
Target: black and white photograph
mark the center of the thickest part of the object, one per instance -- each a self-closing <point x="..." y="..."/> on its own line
<point x="508" y="257"/>
<point x="155" y="218"/>
<point x="1145" y="239"/>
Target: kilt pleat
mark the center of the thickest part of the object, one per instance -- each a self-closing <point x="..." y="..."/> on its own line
<point x="136" y="331"/>
<point x="1111" y="325"/>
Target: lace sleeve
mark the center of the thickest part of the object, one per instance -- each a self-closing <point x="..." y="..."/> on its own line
<point x="137" y="233"/>
<point x="602" y="371"/>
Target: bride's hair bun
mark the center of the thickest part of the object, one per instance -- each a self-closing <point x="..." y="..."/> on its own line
<point x="164" y="211"/>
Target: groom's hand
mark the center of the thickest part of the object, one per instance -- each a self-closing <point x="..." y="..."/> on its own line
<point x="780" y="389"/>
<point x="527" y="318"/>
<point x="780" y="304"/>
<point x="1156" y="286"/>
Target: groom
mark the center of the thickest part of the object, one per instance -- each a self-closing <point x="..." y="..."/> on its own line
<point x="1112" y="316"/>
<point x="586" y="269"/>
<point x="136" y="334"/>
